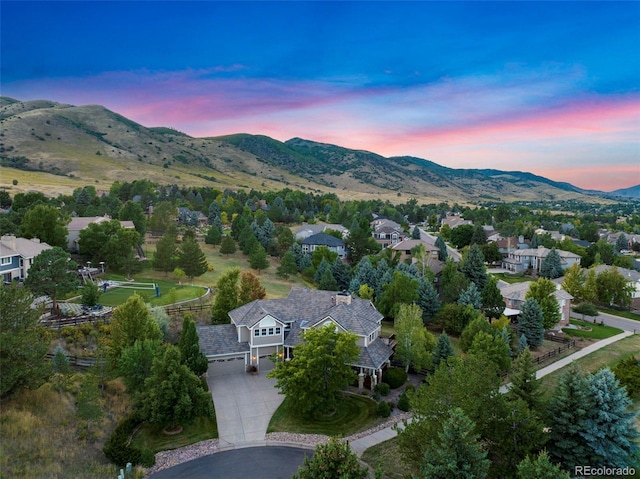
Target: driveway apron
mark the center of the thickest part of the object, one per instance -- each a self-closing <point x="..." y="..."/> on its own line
<point x="244" y="405"/>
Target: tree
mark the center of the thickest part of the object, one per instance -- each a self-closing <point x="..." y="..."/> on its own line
<point x="443" y="350"/>
<point x="458" y="453"/>
<point x="453" y="282"/>
<point x="415" y="233"/>
<point x="610" y="431"/>
<point x="479" y="235"/>
<point x="621" y="243"/>
<point x="132" y="210"/>
<point x="362" y="274"/>
<point x="52" y="273"/>
<point x="585" y="309"/>
<point x="427" y="300"/>
<point x="250" y="288"/>
<point x="228" y="245"/>
<point x="163" y="217"/>
<point x="414" y="342"/>
<point x="567" y="412"/>
<point x="135" y="362"/>
<point x="477" y="325"/>
<point x="213" y="236"/>
<point x="90" y="294"/>
<point x="543" y="291"/>
<point x="491" y="252"/>
<point x="530" y="322"/>
<point x="360" y="242"/>
<point x="226" y="296"/>
<point x="461" y="235"/>
<point x="45" y="223"/>
<point x="60" y="362"/>
<point x="335" y="459"/>
<point x="258" y="258"/>
<point x="551" y="266"/>
<point x="442" y="249"/>
<point x="342" y="274"/>
<point x="540" y="468"/>
<point x="573" y="282"/>
<point x="492" y="301"/>
<point x="192" y="260"/>
<point x="524" y="384"/>
<point x="402" y="289"/>
<point x="166" y="256"/>
<point x="131" y="321"/>
<point x="627" y="372"/>
<point x="88" y="401"/>
<point x="319" y="370"/>
<point x="23" y="342"/>
<point x="327" y="281"/>
<point x="471" y="296"/>
<point x="455" y="317"/>
<point x="590" y="289"/>
<point x="173" y="395"/>
<point x="288" y="266"/>
<point x="189" y="347"/>
<point x="473" y="266"/>
<point x="493" y="348"/>
<point x="613" y="288"/>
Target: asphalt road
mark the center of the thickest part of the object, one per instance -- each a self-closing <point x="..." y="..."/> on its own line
<point x="611" y="320"/>
<point x="273" y="462"/>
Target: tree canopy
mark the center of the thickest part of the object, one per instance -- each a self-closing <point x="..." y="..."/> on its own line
<point x="543" y="291"/>
<point x="52" y="273"/>
<point x="414" y="343"/>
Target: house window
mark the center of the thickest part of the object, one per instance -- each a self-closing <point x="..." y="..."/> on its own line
<point x="6" y="261"/>
<point x="267" y="331"/>
<point x="256" y="332"/>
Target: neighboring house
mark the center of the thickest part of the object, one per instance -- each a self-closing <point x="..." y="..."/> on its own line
<point x="405" y="247"/>
<point x="514" y="296"/>
<point x="274" y="326"/>
<point x="511" y="243"/>
<point x="454" y="221"/>
<point x="521" y="260"/>
<point x="308" y="230"/>
<point x="632" y="277"/>
<point x="387" y="232"/>
<point x="187" y="216"/>
<point x="16" y="256"/>
<point x="79" y="223"/>
<point x="334" y="244"/>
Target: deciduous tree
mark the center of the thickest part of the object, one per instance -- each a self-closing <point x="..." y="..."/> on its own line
<point x="226" y="296"/>
<point x="319" y="370"/>
<point x="335" y="459"/>
<point x="402" y="289"/>
<point x="250" y="288"/>
<point x="135" y="362"/>
<point x="414" y="343"/>
<point x="46" y="223"/>
<point x="493" y="348"/>
<point x="573" y="282"/>
<point x="543" y="291"/>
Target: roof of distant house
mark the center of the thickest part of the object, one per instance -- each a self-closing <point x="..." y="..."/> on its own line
<point x="27" y="248"/>
<point x="518" y="291"/>
<point x="323" y="239"/>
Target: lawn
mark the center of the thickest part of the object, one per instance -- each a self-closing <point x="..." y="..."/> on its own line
<point x="512" y="279"/>
<point x="592" y="331"/>
<point x="152" y="437"/>
<point x="353" y="414"/>
<point x="387" y="456"/>
<point x="622" y="314"/>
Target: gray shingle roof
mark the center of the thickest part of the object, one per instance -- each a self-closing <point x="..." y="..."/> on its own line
<point x="375" y="355"/>
<point x="220" y="340"/>
<point x="323" y="239"/>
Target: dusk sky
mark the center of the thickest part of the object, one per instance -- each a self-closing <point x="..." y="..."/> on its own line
<point x="547" y="87"/>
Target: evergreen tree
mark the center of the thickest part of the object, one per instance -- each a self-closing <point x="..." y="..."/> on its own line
<point x="238" y="225"/>
<point x="621" y="243"/>
<point x="250" y="288"/>
<point x="247" y="241"/>
<point x="567" y="411"/>
<point x="258" y="258"/>
<point x="60" y="361"/>
<point x="189" y="347"/>
<point x="442" y="249"/>
<point x="415" y="234"/>
<point x="543" y="291"/>
<point x="530" y="322"/>
<point x="334" y="459"/>
<point x="362" y="274"/>
<point x="473" y="267"/>
<point x="453" y="282"/>
<point x="442" y="351"/>
<point x="492" y="301"/>
<point x="52" y="273"/>
<point x="524" y="384"/>
<point x="342" y="274"/>
<point x="401" y="290"/>
<point x="213" y="237"/>
<point x="522" y="343"/>
<point x="88" y="401"/>
<point x="540" y="468"/>
<point x="479" y="235"/>
<point x="226" y="296"/>
<point x="214" y="212"/>
<point x="323" y="267"/>
<point x="173" y="395"/>
<point x="327" y="281"/>
<point x="427" y="300"/>
<point x="551" y="266"/>
<point x="458" y="453"/>
<point x="192" y="260"/>
<point x="288" y="266"/>
<point x="228" y="245"/>
<point x="610" y="431"/>
<point x="471" y="296"/>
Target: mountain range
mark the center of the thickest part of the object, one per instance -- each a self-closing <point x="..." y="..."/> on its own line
<point x="54" y="147"/>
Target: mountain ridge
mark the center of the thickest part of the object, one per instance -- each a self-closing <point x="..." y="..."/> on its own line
<point x="91" y="142"/>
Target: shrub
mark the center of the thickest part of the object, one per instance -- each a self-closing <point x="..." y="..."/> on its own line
<point x="147" y="458"/>
<point x="117" y="448"/>
<point x="394" y="377"/>
<point x="383" y="389"/>
<point x="403" y="402"/>
<point x="383" y="409"/>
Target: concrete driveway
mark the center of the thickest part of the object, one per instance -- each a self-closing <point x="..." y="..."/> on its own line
<point x="244" y="405"/>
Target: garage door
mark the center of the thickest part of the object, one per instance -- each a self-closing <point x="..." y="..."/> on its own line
<point x="221" y="367"/>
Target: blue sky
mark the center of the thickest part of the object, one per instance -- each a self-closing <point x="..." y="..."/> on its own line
<point x="547" y="87"/>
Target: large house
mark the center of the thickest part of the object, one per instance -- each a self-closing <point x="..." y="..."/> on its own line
<point x="405" y="247"/>
<point x="308" y="230"/>
<point x="274" y="326"/>
<point x="387" y="232"/>
<point x="310" y="244"/>
<point x="16" y="256"/>
<point x="515" y="294"/>
<point x="79" y="223"/>
<point x="521" y="260"/>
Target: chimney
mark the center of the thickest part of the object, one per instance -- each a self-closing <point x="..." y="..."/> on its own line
<point x="343" y="298"/>
<point x="10" y="240"/>
<point x="35" y="240"/>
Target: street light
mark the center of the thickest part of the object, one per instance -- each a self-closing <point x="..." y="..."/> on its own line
<point x="102" y="265"/>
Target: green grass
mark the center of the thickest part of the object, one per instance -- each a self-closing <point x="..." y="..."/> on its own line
<point x="607" y="356"/>
<point x="387" y="456"/>
<point x="353" y="414"/>
<point x="153" y="438"/>
<point x="622" y="314"/>
<point x="597" y="331"/>
<point x="512" y="279"/>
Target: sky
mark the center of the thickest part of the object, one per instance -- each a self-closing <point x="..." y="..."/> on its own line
<point x="552" y="88"/>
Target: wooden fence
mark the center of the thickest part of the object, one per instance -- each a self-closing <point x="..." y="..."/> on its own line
<point x="83" y="362"/>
